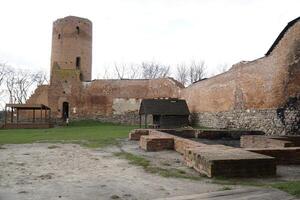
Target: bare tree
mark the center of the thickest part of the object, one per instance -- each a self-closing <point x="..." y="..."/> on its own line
<point x="3" y="72"/>
<point x="40" y="78"/>
<point x="10" y="84"/>
<point x="19" y="83"/>
<point x="151" y="70"/>
<point x="134" y="72"/>
<point x="196" y="71"/>
<point x="182" y="73"/>
<point x="130" y="71"/>
<point x="120" y="70"/>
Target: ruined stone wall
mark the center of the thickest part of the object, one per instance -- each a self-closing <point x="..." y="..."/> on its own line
<point x="120" y="99"/>
<point x="263" y="94"/>
<point x="104" y="100"/>
<point x="40" y="95"/>
<point x="253" y="94"/>
<point x="266" y="120"/>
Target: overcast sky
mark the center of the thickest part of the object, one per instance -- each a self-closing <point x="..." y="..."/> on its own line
<point x="132" y="31"/>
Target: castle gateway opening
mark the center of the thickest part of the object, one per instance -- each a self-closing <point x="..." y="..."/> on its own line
<point x="65" y="111"/>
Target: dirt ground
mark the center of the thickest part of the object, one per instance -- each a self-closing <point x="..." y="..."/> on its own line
<point x="69" y="171"/>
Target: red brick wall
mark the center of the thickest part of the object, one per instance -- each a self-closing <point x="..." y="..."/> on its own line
<point x="260" y="84"/>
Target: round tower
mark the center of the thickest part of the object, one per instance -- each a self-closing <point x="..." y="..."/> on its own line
<point x="72" y="46"/>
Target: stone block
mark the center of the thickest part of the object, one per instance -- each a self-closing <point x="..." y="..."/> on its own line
<point x="137" y="133"/>
<point x="284" y="156"/>
<point x="256" y="141"/>
<point x="219" y="134"/>
<point x="156" y="143"/>
<point x="220" y="160"/>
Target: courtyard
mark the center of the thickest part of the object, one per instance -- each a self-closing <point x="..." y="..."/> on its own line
<point x="91" y="160"/>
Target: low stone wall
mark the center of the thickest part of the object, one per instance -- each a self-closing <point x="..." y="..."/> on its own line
<point x="256" y="141"/>
<point x="156" y="143"/>
<point x="284" y="156"/>
<point x="270" y="121"/>
<point x="28" y="126"/>
<point x="211" y="134"/>
<point x="224" y="161"/>
<point x="137" y="133"/>
<point x="128" y="118"/>
<point x="210" y="160"/>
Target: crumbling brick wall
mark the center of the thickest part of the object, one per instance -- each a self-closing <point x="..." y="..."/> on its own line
<point x="254" y="94"/>
<point x="100" y="99"/>
<point x="263" y="94"/>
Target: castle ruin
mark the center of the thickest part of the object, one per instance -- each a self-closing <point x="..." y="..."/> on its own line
<point x="263" y="94"/>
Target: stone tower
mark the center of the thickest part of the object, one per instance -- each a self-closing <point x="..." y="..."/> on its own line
<point x="72" y="46"/>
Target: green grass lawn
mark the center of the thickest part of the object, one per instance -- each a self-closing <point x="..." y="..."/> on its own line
<point x="291" y="187"/>
<point x="87" y="133"/>
<point x="148" y="167"/>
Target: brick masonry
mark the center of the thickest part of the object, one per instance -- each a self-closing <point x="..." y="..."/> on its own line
<point x="284" y="156"/>
<point x="220" y="160"/>
<point x="263" y="94"/>
<point x="257" y="141"/>
<point x="137" y="133"/>
<point x="286" y="149"/>
<point x="156" y="143"/>
<point x="210" y="160"/>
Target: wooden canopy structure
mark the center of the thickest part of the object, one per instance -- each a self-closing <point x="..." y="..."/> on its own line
<point x="166" y="113"/>
<point x="35" y="116"/>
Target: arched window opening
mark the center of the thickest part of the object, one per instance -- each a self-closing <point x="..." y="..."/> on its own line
<point x="77" y="28"/>
<point x="58" y="36"/>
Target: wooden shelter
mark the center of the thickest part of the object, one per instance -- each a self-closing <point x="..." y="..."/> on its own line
<point x="27" y="116"/>
<point x="166" y="113"/>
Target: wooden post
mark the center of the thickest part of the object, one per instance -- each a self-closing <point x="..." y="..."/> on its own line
<point x="17" y="115"/>
<point x="41" y="114"/>
<point x="140" y="121"/>
<point x="5" y="120"/>
<point x="46" y="115"/>
<point x="33" y="115"/>
<point x="12" y="115"/>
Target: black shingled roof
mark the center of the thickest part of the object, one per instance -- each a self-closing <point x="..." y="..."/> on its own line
<point x="164" y="107"/>
<point x="280" y="36"/>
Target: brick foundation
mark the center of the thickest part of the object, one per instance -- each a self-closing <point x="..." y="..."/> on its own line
<point x="156" y="143"/>
<point x="210" y="160"/>
<point x="219" y="160"/>
<point x="137" y="133"/>
<point x="284" y="156"/>
<point x="253" y="141"/>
